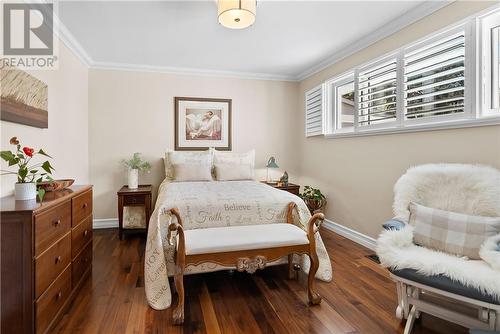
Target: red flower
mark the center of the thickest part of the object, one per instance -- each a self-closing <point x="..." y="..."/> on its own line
<point x="28" y="151"/>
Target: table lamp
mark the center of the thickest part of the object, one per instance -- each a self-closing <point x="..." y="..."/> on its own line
<point x="271" y="163"/>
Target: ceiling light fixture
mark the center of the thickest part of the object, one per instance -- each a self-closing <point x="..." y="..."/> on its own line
<point x="236" y="14"/>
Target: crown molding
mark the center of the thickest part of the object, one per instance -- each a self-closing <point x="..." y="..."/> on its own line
<point x="394" y="26"/>
<point x="190" y="71"/>
<point x="71" y="43"/>
<point x="401" y="22"/>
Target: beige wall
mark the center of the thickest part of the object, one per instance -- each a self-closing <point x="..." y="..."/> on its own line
<point x="66" y="138"/>
<point x="133" y="112"/>
<point x="357" y="174"/>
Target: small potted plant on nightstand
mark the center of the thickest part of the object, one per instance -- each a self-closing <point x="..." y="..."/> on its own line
<point x="134" y="166"/>
<point x="314" y="199"/>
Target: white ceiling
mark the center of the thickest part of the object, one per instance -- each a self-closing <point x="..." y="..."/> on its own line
<point x="286" y="41"/>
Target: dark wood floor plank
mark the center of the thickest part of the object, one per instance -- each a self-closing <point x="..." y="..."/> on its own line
<point x="360" y="299"/>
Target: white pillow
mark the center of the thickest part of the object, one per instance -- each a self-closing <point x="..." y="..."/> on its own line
<point x="181" y="157"/>
<point x="231" y="158"/>
<point x="233" y="172"/>
<point x="192" y="172"/>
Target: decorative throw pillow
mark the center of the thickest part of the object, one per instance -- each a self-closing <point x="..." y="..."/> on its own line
<point x="232" y="172"/>
<point x="231" y="158"/>
<point x="451" y="232"/>
<point x="178" y="157"/>
<point x="192" y="172"/>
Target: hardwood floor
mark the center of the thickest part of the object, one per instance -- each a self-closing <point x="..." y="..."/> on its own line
<point x="361" y="299"/>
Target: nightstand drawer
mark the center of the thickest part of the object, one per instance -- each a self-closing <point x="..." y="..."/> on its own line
<point x="51" y="226"/>
<point x="81" y="206"/>
<point x="134" y="199"/>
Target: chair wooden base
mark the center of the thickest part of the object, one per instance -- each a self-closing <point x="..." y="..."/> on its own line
<point x="245" y="260"/>
<point x="411" y="304"/>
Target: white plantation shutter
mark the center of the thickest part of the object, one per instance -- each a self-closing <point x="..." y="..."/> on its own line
<point x="434" y="78"/>
<point x="314" y="104"/>
<point x="377" y="90"/>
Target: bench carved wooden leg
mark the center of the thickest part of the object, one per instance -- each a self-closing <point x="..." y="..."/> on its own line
<point x="291" y="271"/>
<point x="178" y="312"/>
<point x="314" y="298"/>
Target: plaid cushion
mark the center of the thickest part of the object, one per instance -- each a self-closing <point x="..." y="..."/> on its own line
<point x="451" y="232"/>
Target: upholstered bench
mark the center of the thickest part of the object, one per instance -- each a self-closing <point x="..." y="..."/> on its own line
<point x="247" y="248"/>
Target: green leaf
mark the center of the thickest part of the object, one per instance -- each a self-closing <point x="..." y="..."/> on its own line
<point x="34" y="171"/>
<point x="41" y="194"/>
<point x="23" y="172"/>
<point x="47" y="167"/>
<point x="7" y="155"/>
<point x="13" y="162"/>
<point x="43" y="153"/>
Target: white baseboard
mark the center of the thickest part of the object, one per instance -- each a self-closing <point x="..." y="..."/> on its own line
<point x="105" y="223"/>
<point x="350" y="234"/>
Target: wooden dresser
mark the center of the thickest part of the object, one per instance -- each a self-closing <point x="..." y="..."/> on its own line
<point x="46" y="255"/>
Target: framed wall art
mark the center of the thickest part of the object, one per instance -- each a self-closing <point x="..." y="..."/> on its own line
<point x="201" y="123"/>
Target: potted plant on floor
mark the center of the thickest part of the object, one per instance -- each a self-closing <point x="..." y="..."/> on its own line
<point x="28" y="175"/>
<point x="134" y="166"/>
<point x="314" y="199"/>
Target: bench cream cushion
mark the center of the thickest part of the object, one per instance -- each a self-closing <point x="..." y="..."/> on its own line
<point x="237" y="238"/>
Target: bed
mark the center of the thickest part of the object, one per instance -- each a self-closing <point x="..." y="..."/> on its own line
<point x="215" y="204"/>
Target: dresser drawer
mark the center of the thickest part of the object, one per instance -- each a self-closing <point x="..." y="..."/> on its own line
<point x="51" y="263"/>
<point x="51" y="226"/>
<point x="80" y="236"/>
<point x="52" y="300"/>
<point x="81" y="263"/>
<point x="81" y="206"/>
<point x="134" y="199"/>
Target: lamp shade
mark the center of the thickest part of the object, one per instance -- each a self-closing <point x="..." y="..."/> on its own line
<point x="236" y="14"/>
<point x="271" y="163"/>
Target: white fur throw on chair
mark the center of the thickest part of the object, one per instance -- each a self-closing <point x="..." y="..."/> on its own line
<point x="468" y="189"/>
<point x="397" y="250"/>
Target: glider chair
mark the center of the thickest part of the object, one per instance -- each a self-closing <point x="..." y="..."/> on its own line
<point x="442" y="248"/>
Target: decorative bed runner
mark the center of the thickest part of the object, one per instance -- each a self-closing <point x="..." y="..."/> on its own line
<point x="215" y="204"/>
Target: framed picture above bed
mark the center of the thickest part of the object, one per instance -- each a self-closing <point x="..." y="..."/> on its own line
<point x="201" y="123"/>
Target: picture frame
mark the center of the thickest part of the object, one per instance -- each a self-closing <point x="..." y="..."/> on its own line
<point x="202" y="123"/>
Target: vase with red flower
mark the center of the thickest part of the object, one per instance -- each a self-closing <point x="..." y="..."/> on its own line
<point x="28" y="172"/>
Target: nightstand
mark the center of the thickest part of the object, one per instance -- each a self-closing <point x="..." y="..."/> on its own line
<point x="140" y="197"/>
<point x="291" y="187"/>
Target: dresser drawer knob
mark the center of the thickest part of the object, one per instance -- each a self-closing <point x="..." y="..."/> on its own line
<point x="57" y="222"/>
<point x="84" y="206"/>
<point x="58" y="259"/>
<point x="85" y="233"/>
<point x="59" y="295"/>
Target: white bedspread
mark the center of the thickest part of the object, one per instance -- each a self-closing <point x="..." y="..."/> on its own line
<point x="215" y="204"/>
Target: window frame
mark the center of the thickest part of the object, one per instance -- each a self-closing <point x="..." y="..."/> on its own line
<point x="474" y="112"/>
<point x="468" y="75"/>
<point x="377" y="63"/>
<point x="333" y="113"/>
<point x="485" y="60"/>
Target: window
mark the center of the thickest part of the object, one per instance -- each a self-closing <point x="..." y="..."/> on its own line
<point x="434" y="78"/>
<point x="490" y="33"/>
<point x="377" y="88"/>
<point x="342" y="103"/>
<point x="448" y="79"/>
<point x="314" y="111"/>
